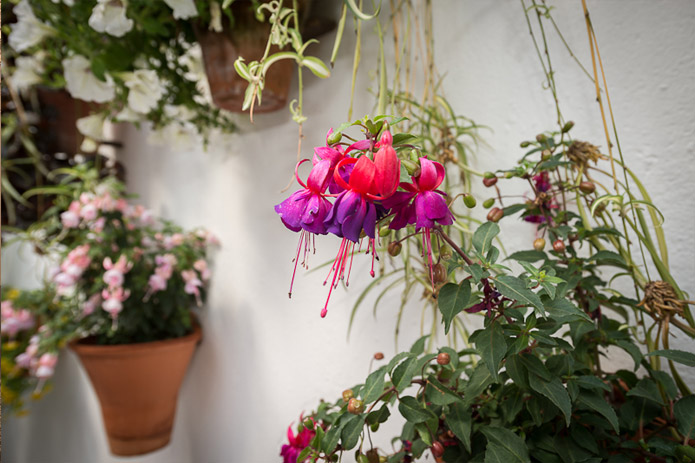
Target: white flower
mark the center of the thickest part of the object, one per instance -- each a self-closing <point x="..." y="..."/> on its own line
<point x="28" y="30"/>
<point x="180" y="112"/>
<point x="180" y="136"/>
<point x="84" y="85"/>
<point x="92" y="126"/>
<point x="145" y="90"/>
<point x="109" y="16"/>
<point x="127" y="115"/>
<point x="28" y="70"/>
<point x="183" y="9"/>
<point x="215" y="17"/>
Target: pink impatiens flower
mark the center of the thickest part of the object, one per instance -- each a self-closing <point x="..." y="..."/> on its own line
<point x="113" y="302"/>
<point x="193" y="284"/>
<point x="91" y="304"/>
<point x="114" y="275"/>
<point x="15" y="320"/>
<point x="71" y="217"/>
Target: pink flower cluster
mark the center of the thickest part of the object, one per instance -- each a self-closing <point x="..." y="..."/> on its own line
<point x="71" y="269"/>
<point x="42" y="367"/>
<point x="87" y="209"/>
<point x="114" y="277"/>
<point x="165" y="268"/>
<point x="15" y="320"/>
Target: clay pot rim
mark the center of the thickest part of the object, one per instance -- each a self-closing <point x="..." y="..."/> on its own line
<point x="142" y="348"/>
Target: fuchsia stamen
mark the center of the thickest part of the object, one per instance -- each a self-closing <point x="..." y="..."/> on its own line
<point x="306" y="238"/>
<point x="338" y="269"/>
<point x="427" y="248"/>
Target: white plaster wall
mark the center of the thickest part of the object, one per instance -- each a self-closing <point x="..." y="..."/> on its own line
<point x="265" y="358"/>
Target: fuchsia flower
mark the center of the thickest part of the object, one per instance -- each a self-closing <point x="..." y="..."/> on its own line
<point x="202" y="267"/>
<point x="15" y="320"/>
<point x="192" y="284"/>
<point x="113" y="302"/>
<point x="72" y="268"/>
<point x="291" y="451"/>
<point x="46" y="366"/>
<point x="91" y="304"/>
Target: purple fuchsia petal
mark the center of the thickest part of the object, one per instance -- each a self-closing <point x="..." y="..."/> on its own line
<point x="436" y="208"/>
<point x="354" y="222"/>
<point x="421" y="218"/>
<point x="315" y="213"/>
<point x="369" y="224"/>
<point x="292" y="209"/>
<point x="431" y="175"/>
<point x="403" y="217"/>
<point x="344" y="173"/>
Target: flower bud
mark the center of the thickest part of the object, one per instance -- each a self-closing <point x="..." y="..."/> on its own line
<point x="394" y="248"/>
<point x="437" y="449"/>
<point x="587" y="187"/>
<point x="525" y="144"/>
<point x="309" y="423"/>
<point x="495" y="214"/>
<point x="469" y="201"/>
<point x="355" y="406"/>
<point x="445" y="252"/>
<point x="541" y="138"/>
<point x="545" y="154"/>
<point x="415" y="156"/>
<point x="567" y="127"/>
<point x="384" y="231"/>
<point x="539" y="244"/>
<point x="439" y="273"/>
<point x="558" y="246"/>
<point x="487" y="204"/>
<point x="488" y="182"/>
<point x="509" y="175"/>
<point x="386" y="137"/>
<point x="443" y="358"/>
<point x="410" y="166"/>
<point x="347" y="395"/>
<point x="335" y="138"/>
<point x="489" y="175"/>
<point x="379" y="356"/>
<point x="374" y="427"/>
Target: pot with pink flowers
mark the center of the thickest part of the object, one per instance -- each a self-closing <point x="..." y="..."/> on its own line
<point x="126" y="283"/>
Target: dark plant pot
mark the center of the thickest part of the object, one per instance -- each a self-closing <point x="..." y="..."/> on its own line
<point x="58" y="123"/>
<point x="137" y="386"/>
<point x="246" y="38"/>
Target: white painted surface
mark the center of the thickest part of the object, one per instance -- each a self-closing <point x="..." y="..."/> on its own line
<point x="266" y="358"/>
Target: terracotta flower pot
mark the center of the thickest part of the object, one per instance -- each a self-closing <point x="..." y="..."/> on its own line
<point x="246" y="38"/>
<point x="138" y="386"/>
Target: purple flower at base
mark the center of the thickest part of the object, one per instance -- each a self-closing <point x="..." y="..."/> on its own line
<point x="291" y="451"/>
<point x="307" y="209"/>
<point x="351" y="214"/>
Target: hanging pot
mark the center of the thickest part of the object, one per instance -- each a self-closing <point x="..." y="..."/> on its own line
<point x="247" y="37"/>
<point x="137" y="386"/>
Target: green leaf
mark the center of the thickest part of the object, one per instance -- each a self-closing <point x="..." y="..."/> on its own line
<point x="667" y="383"/>
<point x="379" y="416"/>
<point x="483" y="236"/>
<point x="316" y="66"/>
<point x="507" y="447"/>
<point x="459" y="421"/>
<point x="359" y="14"/>
<point x="330" y="440"/>
<point x="684" y="412"/>
<point x="556" y="392"/>
<point x="397" y="358"/>
<point x="351" y="431"/>
<point x="413" y="411"/>
<point x="527" y="256"/>
<point x="517" y="371"/>
<point x="536" y="366"/>
<point x="373" y="386"/>
<point x="419" y="345"/>
<point x="592" y="382"/>
<point x="647" y="389"/>
<point x="561" y="309"/>
<point x="492" y="346"/>
<point x="598" y="404"/>
<point x="404" y="373"/>
<point x="680" y="356"/>
<point x="452" y="300"/>
<point x="478" y="382"/>
<point x="515" y="288"/>
<point x="608" y="256"/>
<point x="439" y="394"/>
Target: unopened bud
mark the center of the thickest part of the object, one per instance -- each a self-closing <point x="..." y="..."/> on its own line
<point x="384" y="231"/>
<point x="545" y="154"/>
<point x="559" y="246"/>
<point x="567" y="127"/>
<point x="539" y="244"/>
<point x="488" y="182"/>
<point x="437" y="449"/>
<point x="386" y="137"/>
<point x="587" y="187"/>
<point x="541" y="138"/>
<point x="379" y="356"/>
<point x="410" y="166"/>
<point x="445" y="252"/>
<point x="443" y="358"/>
<point x="525" y="144"/>
<point x="495" y="214"/>
<point x="347" y="395"/>
<point x="355" y="406"/>
<point x="334" y="138"/>
<point x="309" y="423"/>
<point x="487" y="204"/>
<point x="489" y="175"/>
<point x="469" y="201"/>
<point x="394" y="248"/>
<point x="439" y="273"/>
<point x="415" y="155"/>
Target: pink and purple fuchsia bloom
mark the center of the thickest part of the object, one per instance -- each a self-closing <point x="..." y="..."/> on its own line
<point x="363" y="179"/>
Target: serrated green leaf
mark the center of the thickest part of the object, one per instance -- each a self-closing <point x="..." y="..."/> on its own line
<point x="598" y="404"/>
<point x="403" y="373"/>
<point x="483" y="236"/>
<point x="459" y="420"/>
<point x="508" y="447"/>
<point x="351" y="431"/>
<point x="413" y="411"/>
<point x="330" y="440"/>
<point x="452" y="300"/>
<point x="492" y="346"/>
<point x="517" y="371"/>
<point x="536" y="366"/>
<point x="556" y="392"/>
<point x="684" y="412"/>
<point x="374" y="385"/>
<point x="515" y="288"/>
